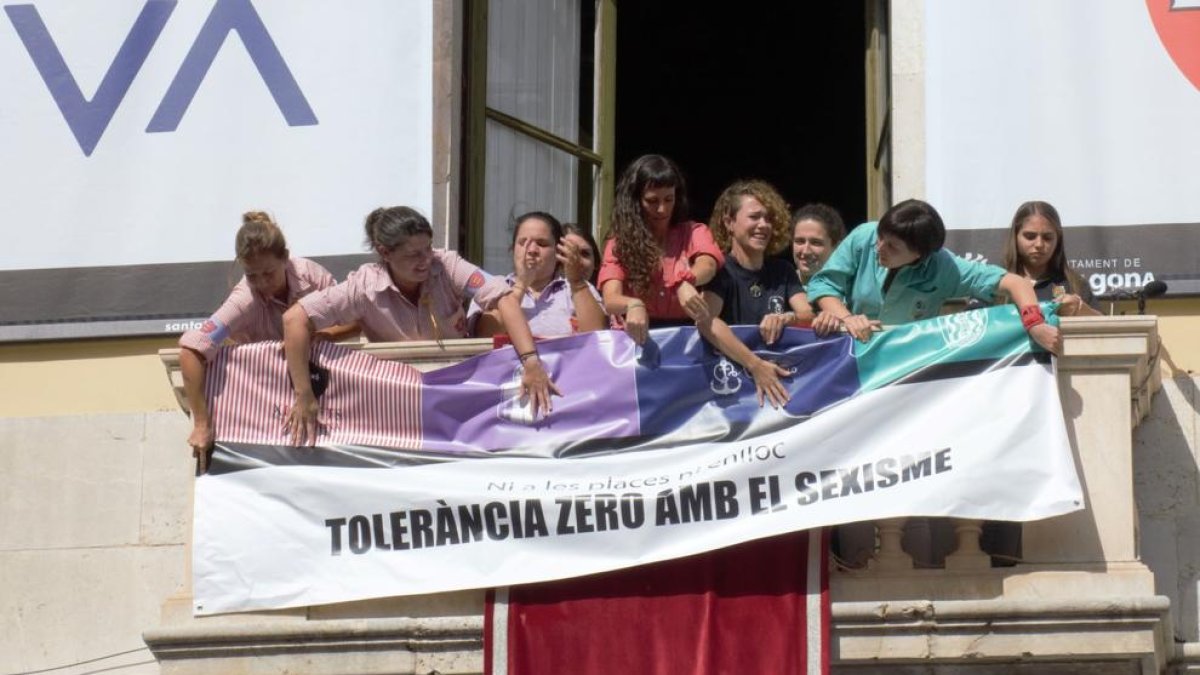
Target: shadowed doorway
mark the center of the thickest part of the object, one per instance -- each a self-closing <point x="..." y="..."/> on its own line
<point x="747" y="90"/>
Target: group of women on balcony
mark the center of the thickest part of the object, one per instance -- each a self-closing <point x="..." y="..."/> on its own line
<point x="658" y="268"/>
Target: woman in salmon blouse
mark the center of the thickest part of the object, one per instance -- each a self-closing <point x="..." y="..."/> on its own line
<point x="655" y="257"/>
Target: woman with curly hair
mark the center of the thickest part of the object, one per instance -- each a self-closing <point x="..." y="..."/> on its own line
<point x="1035" y="251"/>
<point x="655" y="257"/>
<point x="750" y="223"/>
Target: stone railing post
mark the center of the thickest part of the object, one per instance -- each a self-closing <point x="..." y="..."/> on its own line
<point x="891" y="555"/>
<point x="1106" y="376"/>
<point x="967" y="554"/>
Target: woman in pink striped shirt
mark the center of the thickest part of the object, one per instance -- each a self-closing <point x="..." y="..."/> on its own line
<point x="414" y="292"/>
<point x="253" y="312"/>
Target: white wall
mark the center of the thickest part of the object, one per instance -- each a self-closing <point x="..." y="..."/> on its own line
<point x="1167" y="489"/>
<point x="94" y="511"/>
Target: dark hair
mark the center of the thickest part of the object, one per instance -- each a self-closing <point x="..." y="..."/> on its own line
<point x="389" y="227"/>
<point x="259" y="234"/>
<point x="915" y="223"/>
<point x="633" y="243"/>
<point x="1057" y="265"/>
<point x="827" y="216"/>
<point x="574" y="228"/>
<point x="730" y="202"/>
<point x="556" y="228"/>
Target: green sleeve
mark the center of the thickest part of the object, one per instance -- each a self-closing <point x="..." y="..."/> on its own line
<point x="837" y="276"/>
<point x="976" y="279"/>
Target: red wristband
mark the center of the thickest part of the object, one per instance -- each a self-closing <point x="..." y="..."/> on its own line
<point x="688" y="276"/>
<point x="1032" y="316"/>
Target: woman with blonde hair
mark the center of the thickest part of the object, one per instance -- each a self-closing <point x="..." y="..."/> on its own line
<point x="751" y="224"/>
<point x="274" y="280"/>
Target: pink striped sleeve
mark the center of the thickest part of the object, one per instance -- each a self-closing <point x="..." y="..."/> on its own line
<point x="314" y="273"/>
<point x="491" y="291"/>
<point x="465" y="275"/>
<point x="233" y="318"/>
<point x="337" y="305"/>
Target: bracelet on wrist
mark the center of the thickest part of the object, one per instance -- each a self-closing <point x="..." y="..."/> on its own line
<point x="633" y="304"/>
<point x="1031" y="316"/>
<point x="522" y="357"/>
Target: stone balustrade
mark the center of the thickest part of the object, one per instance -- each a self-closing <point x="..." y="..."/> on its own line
<point x="1078" y="599"/>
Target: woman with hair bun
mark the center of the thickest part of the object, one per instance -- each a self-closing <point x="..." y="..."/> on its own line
<point x="655" y="257"/>
<point x="413" y="292"/>
<point x="253" y="312"/>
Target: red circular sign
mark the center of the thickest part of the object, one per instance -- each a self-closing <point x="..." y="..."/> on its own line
<point x="1178" y="26"/>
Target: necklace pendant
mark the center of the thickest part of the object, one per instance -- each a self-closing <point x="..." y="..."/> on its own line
<point x="756" y="290"/>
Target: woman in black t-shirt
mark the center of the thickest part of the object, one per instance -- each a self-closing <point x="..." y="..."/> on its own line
<point x="750" y="223"/>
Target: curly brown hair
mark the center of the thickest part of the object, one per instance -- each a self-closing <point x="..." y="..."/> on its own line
<point x="731" y="200"/>
<point x="633" y="242"/>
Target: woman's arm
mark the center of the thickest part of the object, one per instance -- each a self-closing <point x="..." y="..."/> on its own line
<point x="535" y="383"/>
<point x="766" y="374"/>
<point x="772" y="325"/>
<point x="194" y="369"/>
<point x="1073" y="305"/>
<point x="834" y="314"/>
<point x="703" y="269"/>
<point x="488" y="324"/>
<point x="1024" y="297"/>
<point x="829" y="288"/>
<point x="338" y="333"/>
<point x="589" y="316"/>
<point x="637" y="317"/>
<point x="302" y="419"/>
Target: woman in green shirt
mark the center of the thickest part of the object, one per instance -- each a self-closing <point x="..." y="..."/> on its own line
<point x="896" y="271"/>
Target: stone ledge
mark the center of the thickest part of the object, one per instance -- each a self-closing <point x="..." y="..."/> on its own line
<point x="1118" y="635"/>
<point x="1021" y="583"/>
<point x="444" y="645"/>
<point x="1187" y="659"/>
<point x="1129" y="634"/>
